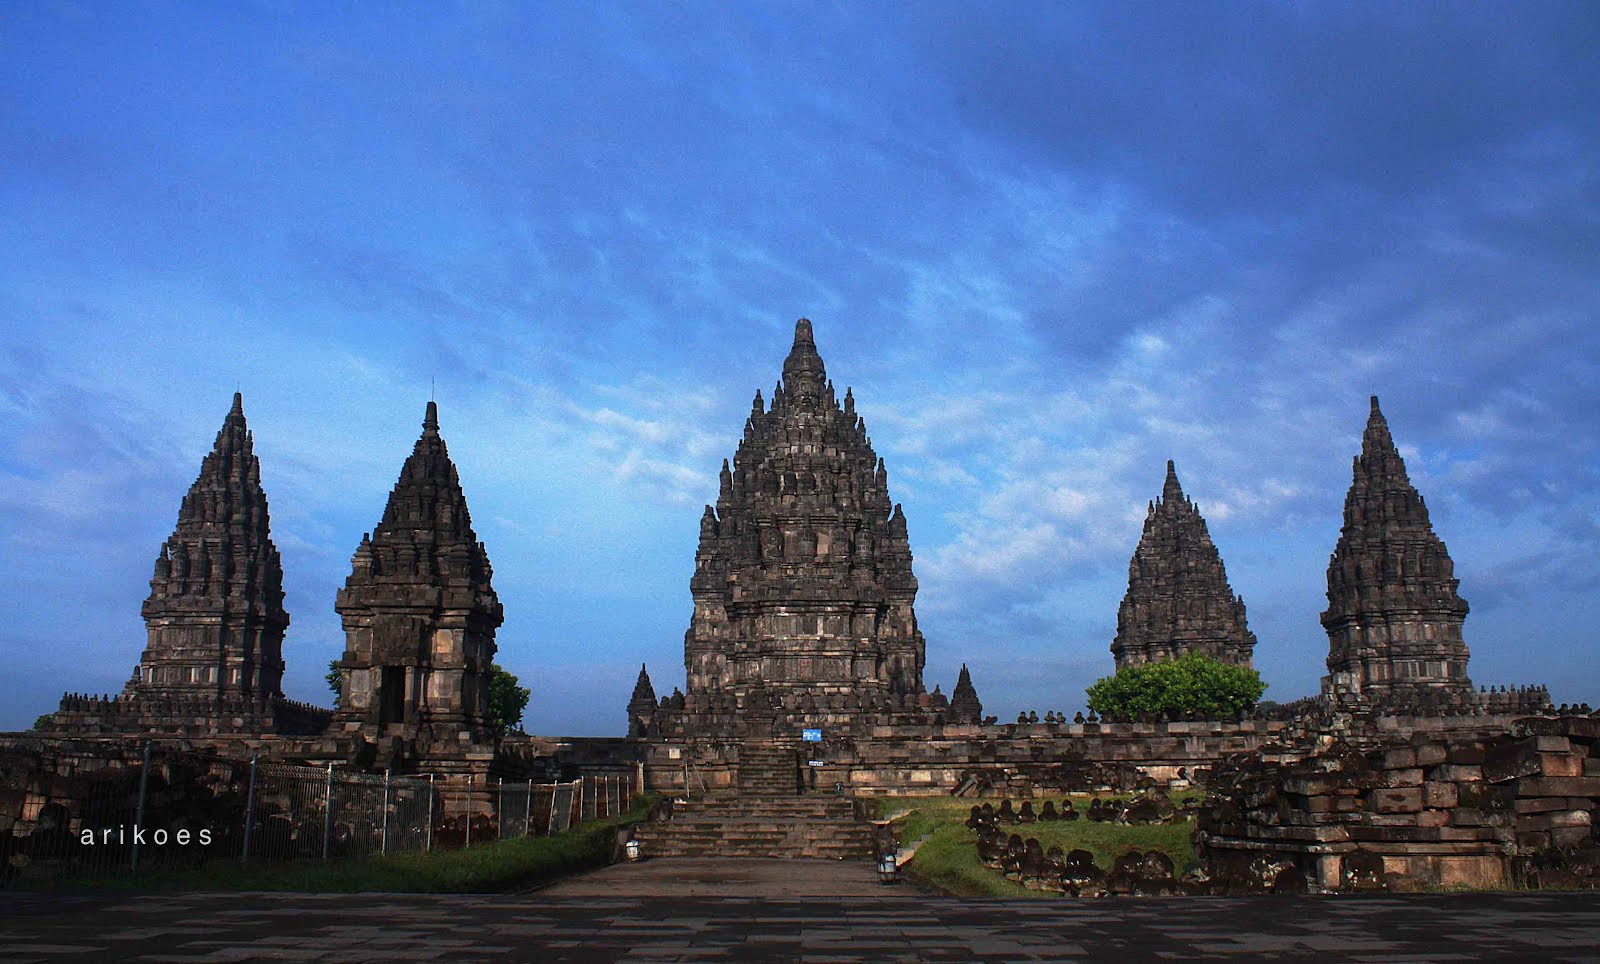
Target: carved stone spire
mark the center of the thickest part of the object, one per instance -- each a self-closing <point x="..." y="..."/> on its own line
<point x="1394" y="617"/>
<point x="803" y="579"/>
<point x="1178" y="598"/>
<point x="642" y="706"/>
<point x="964" y="704"/>
<point x="803" y="371"/>
<point x="215" y="613"/>
<point x="419" y="608"/>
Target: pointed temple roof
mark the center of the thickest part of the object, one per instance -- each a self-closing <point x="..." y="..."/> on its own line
<point x="1394" y="616"/>
<point x="221" y="559"/>
<point x="804" y="524"/>
<point x="425" y="537"/>
<point x="1178" y="598"/>
<point x="964" y="704"/>
<point x="643" y="691"/>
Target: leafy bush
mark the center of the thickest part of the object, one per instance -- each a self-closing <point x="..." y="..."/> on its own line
<point x="1193" y="684"/>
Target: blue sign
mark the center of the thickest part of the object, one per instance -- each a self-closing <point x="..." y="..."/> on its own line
<point x="811" y="736"/>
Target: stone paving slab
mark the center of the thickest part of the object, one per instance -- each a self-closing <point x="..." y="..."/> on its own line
<point x="888" y="924"/>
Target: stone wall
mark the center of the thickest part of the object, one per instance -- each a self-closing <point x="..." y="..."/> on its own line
<point x="1024" y="758"/>
<point x="1409" y="807"/>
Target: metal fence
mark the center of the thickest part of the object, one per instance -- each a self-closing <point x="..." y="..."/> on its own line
<point x="178" y="809"/>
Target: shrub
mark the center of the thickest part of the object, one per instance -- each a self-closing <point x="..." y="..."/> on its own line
<point x="1193" y="684"/>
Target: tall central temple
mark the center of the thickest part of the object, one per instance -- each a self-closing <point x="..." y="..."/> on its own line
<point x="802" y="580"/>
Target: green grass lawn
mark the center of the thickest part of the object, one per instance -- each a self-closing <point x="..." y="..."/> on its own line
<point x="948" y="859"/>
<point x="492" y="867"/>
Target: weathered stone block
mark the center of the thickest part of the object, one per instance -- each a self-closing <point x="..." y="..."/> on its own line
<point x="1432" y="754"/>
<point x="1400" y="758"/>
<point x="1559" y="787"/>
<point x="1510" y="761"/>
<point x="1541" y="804"/>
<point x="1468" y="754"/>
<point x="1455" y="773"/>
<point x="1433" y="818"/>
<point x="1410" y="777"/>
<point x="1443" y="795"/>
<point x="1397" y="800"/>
<point x="1560" y="764"/>
<point x="1535" y="839"/>
<point x="1569" y="836"/>
<point x="1552" y="744"/>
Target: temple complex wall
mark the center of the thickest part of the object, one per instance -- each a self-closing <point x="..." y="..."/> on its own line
<point x="1414" y="807"/>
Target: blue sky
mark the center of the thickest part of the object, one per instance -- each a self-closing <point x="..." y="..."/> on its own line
<point x="1049" y="247"/>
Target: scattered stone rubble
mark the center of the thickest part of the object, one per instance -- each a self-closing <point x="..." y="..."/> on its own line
<point x="1404" y="812"/>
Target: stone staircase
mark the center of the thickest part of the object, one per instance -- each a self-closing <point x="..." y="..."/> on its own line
<point x="760" y="826"/>
<point x="767" y="769"/>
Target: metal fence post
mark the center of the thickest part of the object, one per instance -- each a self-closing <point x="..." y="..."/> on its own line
<point x="469" y="808"/>
<point x="385" y="844"/>
<point x="500" y="809"/>
<point x="527" y="811"/>
<point x="138" y="819"/>
<point x="327" y="815"/>
<point x="430" y="813"/>
<point x="249" y="811"/>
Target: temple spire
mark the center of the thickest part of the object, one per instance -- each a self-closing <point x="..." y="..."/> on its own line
<point x="430" y="419"/>
<point x="965" y="706"/>
<point x="218" y="579"/>
<point x="1171" y="491"/>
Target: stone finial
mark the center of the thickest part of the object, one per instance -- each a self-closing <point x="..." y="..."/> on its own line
<point x="1171" y="491"/>
<point x="643" y="691"/>
<point x="803" y="372"/>
<point x="430" y="418"/>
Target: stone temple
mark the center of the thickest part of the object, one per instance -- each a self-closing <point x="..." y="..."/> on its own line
<point x="213" y="659"/>
<point x="420" y="613"/>
<point x="802" y="583"/>
<point x="1178" y="597"/>
<point x="1394" y="616"/>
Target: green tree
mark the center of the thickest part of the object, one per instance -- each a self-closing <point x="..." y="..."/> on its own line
<point x="1193" y="684"/>
<point x="43" y="721"/>
<point x="507" y="700"/>
<point x="335" y="680"/>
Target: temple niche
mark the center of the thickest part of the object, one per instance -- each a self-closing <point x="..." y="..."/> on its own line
<point x="419" y="613"/>
<point x="802" y="581"/>
<point x="1394" y="617"/>
<point x="1178" y="598"/>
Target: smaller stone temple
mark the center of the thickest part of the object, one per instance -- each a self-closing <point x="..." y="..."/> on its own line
<point x="213" y="657"/>
<point x="1178" y="599"/>
<point x="1394" y="616"/>
<point x="420" y="613"/>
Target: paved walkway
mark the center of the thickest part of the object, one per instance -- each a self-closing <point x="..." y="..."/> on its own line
<point x="706" y="877"/>
<point x="892" y="925"/>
